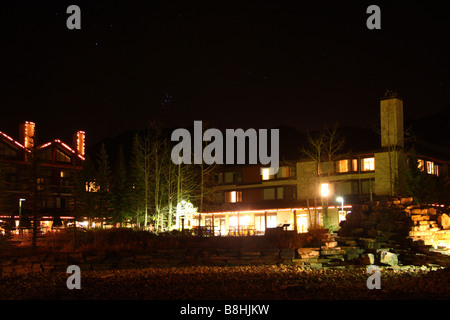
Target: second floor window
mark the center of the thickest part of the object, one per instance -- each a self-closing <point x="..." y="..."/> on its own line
<point x="342" y="166"/>
<point x="368" y="164"/>
<point x="273" y="193"/>
<point x="283" y="172"/>
<point x="233" y="196"/>
<point x="228" y="177"/>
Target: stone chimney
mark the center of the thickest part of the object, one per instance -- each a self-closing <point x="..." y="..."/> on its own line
<point x="26" y="134"/>
<point x="391" y="115"/>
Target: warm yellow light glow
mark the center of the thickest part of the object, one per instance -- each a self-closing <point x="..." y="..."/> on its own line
<point x="81" y="142"/>
<point x="368" y="164"/>
<point x="233" y="196"/>
<point x="233" y="221"/>
<point x="245" y="220"/>
<point x="28" y="134"/>
<point x="342" y="166"/>
<point x="324" y="189"/>
<point x="430" y="167"/>
<point x="355" y="165"/>
<point x="420" y="164"/>
<point x="265" y="173"/>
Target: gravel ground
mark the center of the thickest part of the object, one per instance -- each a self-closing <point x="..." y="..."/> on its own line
<point x="229" y="283"/>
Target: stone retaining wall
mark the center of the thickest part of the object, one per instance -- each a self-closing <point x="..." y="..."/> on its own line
<point x="159" y="258"/>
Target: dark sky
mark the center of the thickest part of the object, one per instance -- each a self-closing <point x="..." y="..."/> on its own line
<point x="249" y="64"/>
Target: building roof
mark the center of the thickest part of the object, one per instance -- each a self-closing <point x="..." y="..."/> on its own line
<point x="356" y="140"/>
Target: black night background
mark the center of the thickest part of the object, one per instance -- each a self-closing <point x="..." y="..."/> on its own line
<point x="233" y="63"/>
<point x="297" y="65"/>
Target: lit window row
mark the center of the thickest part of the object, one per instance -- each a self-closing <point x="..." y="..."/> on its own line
<point x="430" y="166"/>
<point x="351" y="165"/>
<point x="284" y="172"/>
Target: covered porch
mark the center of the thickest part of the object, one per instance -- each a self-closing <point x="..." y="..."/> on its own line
<point x="256" y="222"/>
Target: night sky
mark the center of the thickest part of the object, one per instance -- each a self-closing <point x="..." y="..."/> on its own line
<point x="249" y="64"/>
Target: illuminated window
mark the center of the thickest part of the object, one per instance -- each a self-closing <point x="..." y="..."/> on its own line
<point x="233" y="196"/>
<point x="430" y="167"/>
<point x="266" y="174"/>
<point x="245" y="220"/>
<point x="342" y="166"/>
<point x="368" y="164"/>
<point x="324" y="189"/>
<point x="436" y="170"/>
<point x="92" y="187"/>
<point x="355" y="165"/>
<point x="420" y="164"/>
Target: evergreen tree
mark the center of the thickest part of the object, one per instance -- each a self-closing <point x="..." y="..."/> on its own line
<point x="103" y="183"/>
<point x="120" y="189"/>
<point x="85" y="189"/>
<point x="419" y="185"/>
<point x="138" y="180"/>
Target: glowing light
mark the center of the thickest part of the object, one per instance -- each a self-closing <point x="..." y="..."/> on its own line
<point x="28" y="128"/>
<point x="324" y="189"/>
<point x="81" y="143"/>
<point x="265" y="173"/>
<point x="368" y="164"/>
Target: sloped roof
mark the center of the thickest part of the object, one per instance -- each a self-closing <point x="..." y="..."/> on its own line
<point x="62" y="145"/>
<point x="11" y="141"/>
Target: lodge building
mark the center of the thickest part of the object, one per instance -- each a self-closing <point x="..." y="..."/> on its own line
<point x="37" y="178"/>
<point x="370" y="167"/>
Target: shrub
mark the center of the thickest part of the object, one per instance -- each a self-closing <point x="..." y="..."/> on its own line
<point x="316" y="235"/>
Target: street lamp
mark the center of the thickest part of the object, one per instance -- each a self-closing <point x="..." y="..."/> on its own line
<point x="341" y="200"/>
<point x="342" y="212"/>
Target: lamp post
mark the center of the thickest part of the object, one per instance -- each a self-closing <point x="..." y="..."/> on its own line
<point x="20" y="215"/>
<point x="342" y="212"/>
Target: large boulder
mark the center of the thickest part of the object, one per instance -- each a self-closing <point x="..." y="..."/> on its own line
<point x="367" y="258"/>
<point x="444" y="221"/>
<point x="388" y="258"/>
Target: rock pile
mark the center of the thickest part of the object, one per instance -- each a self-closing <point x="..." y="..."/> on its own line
<point x="397" y="223"/>
<point x="426" y="232"/>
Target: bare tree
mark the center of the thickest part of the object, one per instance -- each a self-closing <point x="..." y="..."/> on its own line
<point x="324" y="148"/>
